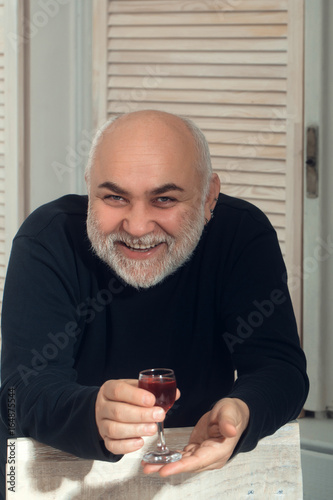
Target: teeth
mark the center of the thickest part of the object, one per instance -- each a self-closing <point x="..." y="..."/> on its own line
<point x="140" y="247"/>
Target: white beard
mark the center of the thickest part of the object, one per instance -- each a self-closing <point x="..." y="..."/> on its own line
<point x="148" y="272"/>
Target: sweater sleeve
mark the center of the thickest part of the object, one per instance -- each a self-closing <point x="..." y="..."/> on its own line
<point x="262" y="338"/>
<point x="40" y="334"/>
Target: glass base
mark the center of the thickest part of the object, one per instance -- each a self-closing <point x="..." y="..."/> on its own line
<point x="154" y="457"/>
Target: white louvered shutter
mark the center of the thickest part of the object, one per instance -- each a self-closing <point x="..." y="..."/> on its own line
<point x="235" y="68"/>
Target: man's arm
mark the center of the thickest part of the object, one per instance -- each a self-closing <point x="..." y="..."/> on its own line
<point x="40" y="331"/>
<point x="40" y="337"/>
<point x="261" y="334"/>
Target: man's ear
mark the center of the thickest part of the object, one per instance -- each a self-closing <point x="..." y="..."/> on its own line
<point x="213" y="194"/>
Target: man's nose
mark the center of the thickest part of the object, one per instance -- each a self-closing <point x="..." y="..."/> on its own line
<point x="138" y="220"/>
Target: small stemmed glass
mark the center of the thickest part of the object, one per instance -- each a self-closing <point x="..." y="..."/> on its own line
<point x="162" y="383"/>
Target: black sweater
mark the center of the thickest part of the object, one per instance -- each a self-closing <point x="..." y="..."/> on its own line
<point x="69" y="324"/>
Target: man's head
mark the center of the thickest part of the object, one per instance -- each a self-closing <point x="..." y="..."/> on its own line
<point x="150" y="189"/>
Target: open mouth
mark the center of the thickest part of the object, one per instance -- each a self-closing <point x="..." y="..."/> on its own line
<point x="138" y="247"/>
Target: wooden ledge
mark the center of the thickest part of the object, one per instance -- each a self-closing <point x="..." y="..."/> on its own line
<point x="272" y="470"/>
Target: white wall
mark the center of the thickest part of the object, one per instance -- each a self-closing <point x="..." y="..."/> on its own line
<point x="60" y="98"/>
<point x="327" y="203"/>
<point x="318" y="212"/>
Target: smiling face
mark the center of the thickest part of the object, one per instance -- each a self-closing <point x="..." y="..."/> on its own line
<point x="146" y="208"/>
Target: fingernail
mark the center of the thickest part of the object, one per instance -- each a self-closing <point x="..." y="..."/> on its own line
<point x="158" y="414"/>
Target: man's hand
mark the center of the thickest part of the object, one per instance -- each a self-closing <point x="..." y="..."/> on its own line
<point x="124" y="413"/>
<point x="212" y="441"/>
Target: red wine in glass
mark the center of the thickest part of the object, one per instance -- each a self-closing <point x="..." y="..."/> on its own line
<point x="162" y="383"/>
<point x="164" y="390"/>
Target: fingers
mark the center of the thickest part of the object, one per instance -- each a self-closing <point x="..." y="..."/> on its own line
<point x="125" y="413"/>
<point x="127" y="391"/>
<point x="196" y="458"/>
<point x="123" y="446"/>
<point x="129" y="413"/>
<point x="212" y="441"/>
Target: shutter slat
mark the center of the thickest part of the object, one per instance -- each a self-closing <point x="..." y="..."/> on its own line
<point x="249" y="165"/>
<point x="216" y="44"/>
<point x="255" y="192"/>
<point x="248" y="151"/>
<point x="162" y="6"/>
<point x="199" y="19"/>
<point x="239" y="124"/>
<point x="209" y="97"/>
<point x="154" y="73"/>
<point x="192" y="109"/>
<point x="190" y="83"/>
<point x="165" y="57"/>
<point x="251" y="178"/>
<point x="273" y="126"/>
<point x="242" y="31"/>
<point x="255" y="139"/>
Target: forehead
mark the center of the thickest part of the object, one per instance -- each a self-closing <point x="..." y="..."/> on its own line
<point x="154" y="150"/>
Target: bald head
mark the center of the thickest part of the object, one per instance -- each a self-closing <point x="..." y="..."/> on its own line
<point x="157" y="120"/>
<point x="154" y="129"/>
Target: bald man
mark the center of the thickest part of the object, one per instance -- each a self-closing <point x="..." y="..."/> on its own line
<point x="153" y="268"/>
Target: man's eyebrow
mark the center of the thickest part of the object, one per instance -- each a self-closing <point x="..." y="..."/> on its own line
<point x="165" y="188"/>
<point x="112" y="186"/>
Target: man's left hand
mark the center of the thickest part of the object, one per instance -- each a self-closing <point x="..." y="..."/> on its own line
<point x="212" y="441"/>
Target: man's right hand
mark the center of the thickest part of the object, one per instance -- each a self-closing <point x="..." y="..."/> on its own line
<point x="124" y="413"/>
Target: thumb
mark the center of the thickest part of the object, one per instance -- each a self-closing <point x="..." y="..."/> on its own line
<point x="227" y="419"/>
<point x="227" y="427"/>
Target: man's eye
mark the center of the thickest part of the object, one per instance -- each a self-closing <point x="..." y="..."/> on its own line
<point x="113" y="197"/>
<point x="165" y="199"/>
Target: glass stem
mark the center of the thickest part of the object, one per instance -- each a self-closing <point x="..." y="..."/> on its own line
<point x="162" y="448"/>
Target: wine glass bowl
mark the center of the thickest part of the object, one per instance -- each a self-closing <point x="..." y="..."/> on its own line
<point x="162" y="383"/>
